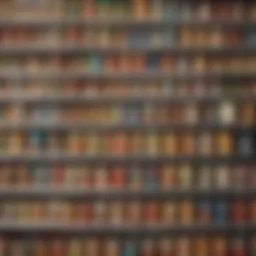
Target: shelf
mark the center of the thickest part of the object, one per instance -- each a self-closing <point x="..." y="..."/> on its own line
<point x="97" y="22"/>
<point x="135" y="230"/>
<point x="43" y="192"/>
<point x="16" y="75"/>
<point x="84" y="99"/>
<point x="80" y="49"/>
<point x="123" y="127"/>
<point x="127" y="160"/>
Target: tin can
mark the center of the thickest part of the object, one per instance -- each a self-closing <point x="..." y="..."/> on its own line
<point x="221" y="212"/>
<point x="41" y="248"/>
<point x="199" y="64"/>
<point x="58" y="247"/>
<point x="191" y="114"/>
<point x="136" y="179"/>
<point x="184" y="247"/>
<point x="202" y="247"/>
<point x="166" y="247"/>
<point x="205" y="144"/>
<point x="253" y="211"/>
<point x="185" y="177"/>
<point x="148" y="247"/>
<point x="219" y="246"/>
<point x="112" y="247"/>
<point x="227" y="113"/>
<point x="239" y="247"/>
<point x="166" y="63"/>
<point x="101" y="178"/>
<point x="4" y="247"/>
<point x="116" y="213"/>
<point x="92" y="141"/>
<point x="152" y="144"/>
<point x="119" y="144"/>
<point x="152" y="212"/>
<point x="134" y="213"/>
<point x="168" y="177"/>
<point x="5" y="176"/>
<point x="99" y="212"/>
<point x="225" y="144"/>
<point x="188" y="144"/>
<point x="118" y="177"/>
<point x="151" y="179"/>
<point x="205" y="212"/>
<point x="92" y="247"/>
<point x="239" y="211"/>
<point x="245" y="145"/>
<point x="130" y="248"/>
<point x="204" y="11"/>
<point x="140" y="9"/>
<point x="75" y="247"/>
<point x="186" y="213"/>
<point x="58" y="176"/>
<point x="240" y="178"/>
<point x="204" y="177"/>
<point x="83" y="212"/>
<point x="248" y="113"/>
<point x="170" y="142"/>
<point x="222" y="177"/>
<point x="169" y="213"/>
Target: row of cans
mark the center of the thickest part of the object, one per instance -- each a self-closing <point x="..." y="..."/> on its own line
<point x="125" y="90"/>
<point x="183" y="246"/>
<point x="135" y="9"/>
<point x="128" y="144"/>
<point x="106" y="37"/>
<point x="120" y="213"/>
<point x="129" y="63"/>
<point x="133" y="178"/>
<point x="131" y="113"/>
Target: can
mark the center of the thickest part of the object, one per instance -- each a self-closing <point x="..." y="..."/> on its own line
<point x="58" y="176"/>
<point x="93" y="143"/>
<point x="93" y="247"/>
<point x="221" y="212"/>
<point x="245" y="145"/>
<point x="130" y="248"/>
<point x="204" y="11"/>
<point x="205" y="144"/>
<point x="240" y="179"/>
<point x="186" y="213"/>
<point x="169" y="212"/>
<point x="188" y="144"/>
<point x="201" y="247"/>
<point x="170" y="142"/>
<point x="140" y="9"/>
<point x="225" y="145"/>
<point x="166" y="247"/>
<point x="253" y="246"/>
<point x="191" y="115"/>
<point x="119" y="143"/>
<point x="4" y="247"/>
<point x="168" y="177"/>
<point x="101" y="178"/>
<point x="148" y="247"/>
<point x="99" y="212"/>
<point x="222" y="177"/>
<point x="152" y="144"/>
<point x="41" y="248"/>
<point x="83" y="212"/>
<point x="219" y="246"/>
<point x="75" y="248"/>
<point x="151" y="179"/>
<point x="116" y="214"/>
<point x="185" y="177"/>
<point x="118" y="177"/>
<point x="112" y="247"/>
<point x="134" y="213"/>
<point x="136" y="179"/>
<point x="205" y="214"/>
<point x="239" y="211"/>
<point x="151" y="212"/>
<point x="253" y="210"/>
<point x="5" y="176"/>
<point x="227" y="113"/>
<point x="58" y="247"/>
<point x="183" y="247"/>
<point x="204" y="177"/>
<point x="248" y="113"/>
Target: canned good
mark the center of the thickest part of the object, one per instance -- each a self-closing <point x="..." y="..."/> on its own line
<point x="225" y="145"/>
<point x="75" y="248"/>
<point x="168" y="177"/>
<point x="93" y="247"/>
<point x="205" y="212"/>
<point x="148" y="247"/>
<point x="219" y="246"/>
<point x="202" y="247"/>
<point x="151" y="179"/>
<point x="112" y="247"/>
<point x="134" y="212"/>
<point x="169" y="212"/>
<point x="184" y="247"/>
<point x="204" y="177"/>
<point x="130" y="248"/>
<point x="166" y="247"/>
<point x="101" y="178"/>
<point x="152" y="212"/>
<point x="136" y="178"/>
<point x="221" y="212"/>
<point x="186" y="213"/>
<point x="227" y="113"/>
<point x="185" y="177"/>
<point x="116" y="213"/>
<point x="222" y="177"/>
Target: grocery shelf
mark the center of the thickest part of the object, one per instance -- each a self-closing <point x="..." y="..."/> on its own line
<point x="136" y="230"/>
<point x="49" y="192"/>
<point x="59" y="126"/>
<point x="82" y="98"/>
<point x="18" y="75"/>
<point x="127" y="160"/>
<point x="81" y="49"/>
<point x="99" y="22"/>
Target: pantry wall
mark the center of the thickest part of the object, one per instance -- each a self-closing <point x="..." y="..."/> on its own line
<point x="127" y="128"/>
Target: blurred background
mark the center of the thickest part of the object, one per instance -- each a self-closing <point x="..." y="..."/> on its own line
<point x="127" y="128"/>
